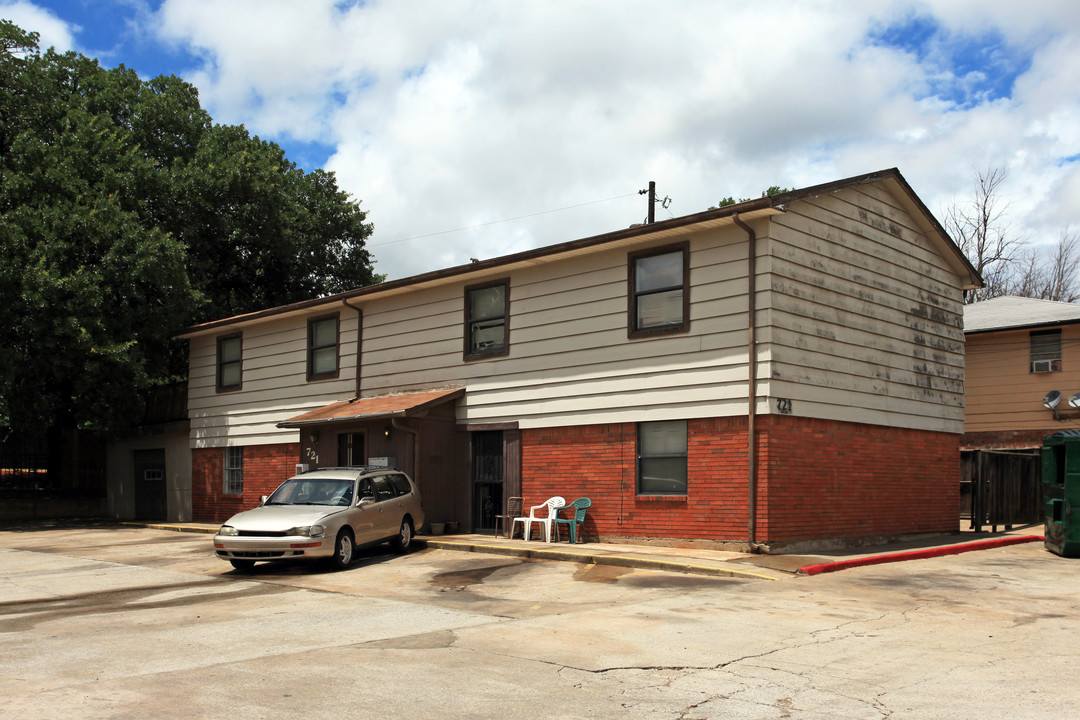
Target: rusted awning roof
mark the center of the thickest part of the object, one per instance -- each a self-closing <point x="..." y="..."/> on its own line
<point x="372" y="408"/>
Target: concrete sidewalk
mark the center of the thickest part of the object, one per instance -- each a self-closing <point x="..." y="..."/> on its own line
<point x="699" y="561"/>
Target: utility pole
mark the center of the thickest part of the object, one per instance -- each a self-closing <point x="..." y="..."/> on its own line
<point x="652" y="201"/>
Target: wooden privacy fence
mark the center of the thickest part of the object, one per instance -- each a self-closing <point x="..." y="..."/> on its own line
<point x="1001" y="487"/>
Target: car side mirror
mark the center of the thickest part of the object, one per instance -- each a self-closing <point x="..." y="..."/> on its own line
<point x="263" y="499"/>
<point x="366" y="500"/>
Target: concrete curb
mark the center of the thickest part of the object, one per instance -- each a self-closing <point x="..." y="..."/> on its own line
<point x="590" y="558"/>
<point x="916" y="554"/>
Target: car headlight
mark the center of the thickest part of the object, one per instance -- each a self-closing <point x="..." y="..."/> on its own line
<point x="307" y="530"/>
<point x="228" y="530"/>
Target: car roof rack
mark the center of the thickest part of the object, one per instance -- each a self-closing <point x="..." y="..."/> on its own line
<point x="353" y="468"/>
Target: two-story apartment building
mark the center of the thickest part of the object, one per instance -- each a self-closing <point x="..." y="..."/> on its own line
<point x="780" y="371"/>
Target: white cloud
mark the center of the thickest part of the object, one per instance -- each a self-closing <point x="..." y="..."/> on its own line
<point x="454" y="113"/>
<point x="54" y="32"/>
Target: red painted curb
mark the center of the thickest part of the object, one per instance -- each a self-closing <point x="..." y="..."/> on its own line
<point x="917" y="554"/>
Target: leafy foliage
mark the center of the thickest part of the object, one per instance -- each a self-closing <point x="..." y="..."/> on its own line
<point x="126" y="215"/>
<point x="729" y="200"/>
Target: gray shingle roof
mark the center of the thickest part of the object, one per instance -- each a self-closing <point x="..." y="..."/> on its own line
<point x="1010" y="311"/>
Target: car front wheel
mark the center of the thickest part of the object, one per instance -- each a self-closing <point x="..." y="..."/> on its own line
<point x="403" y="540"/>
<point x="343" y="549"/>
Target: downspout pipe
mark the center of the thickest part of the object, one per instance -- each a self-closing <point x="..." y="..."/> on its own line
<point x="751" y="364"/>
<point x="359" y="339"/>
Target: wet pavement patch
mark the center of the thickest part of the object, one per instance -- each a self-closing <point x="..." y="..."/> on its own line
<point x="28" y="614"/>
<point x="670" y="580"/>
<point x="461" y="579"/>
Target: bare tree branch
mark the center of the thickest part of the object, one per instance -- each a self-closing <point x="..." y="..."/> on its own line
<point x="980" y="228"/>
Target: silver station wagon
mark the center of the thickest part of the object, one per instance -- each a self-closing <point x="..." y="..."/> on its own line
<point x="325" y="514"/>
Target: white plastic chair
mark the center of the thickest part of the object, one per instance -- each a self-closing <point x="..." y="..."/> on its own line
<point x="552" y="506"/>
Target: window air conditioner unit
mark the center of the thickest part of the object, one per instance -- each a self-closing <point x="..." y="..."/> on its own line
<point x="1042" y="365"/>
<point x="301" y="468"/>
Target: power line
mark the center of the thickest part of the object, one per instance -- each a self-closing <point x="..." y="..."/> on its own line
<point x="496" y="222"/>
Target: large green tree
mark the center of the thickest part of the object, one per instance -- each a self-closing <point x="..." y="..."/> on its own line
<point x="127" y="214"/>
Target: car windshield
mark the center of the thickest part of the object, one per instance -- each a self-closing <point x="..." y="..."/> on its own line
<point x="313" y="491"/>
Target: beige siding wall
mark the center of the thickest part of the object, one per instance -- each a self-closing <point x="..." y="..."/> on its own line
<point x="275" y="385"/>
<point x="570" y="361"/>
<point x="1002" y="392"/>
<point x="865" y="319"/>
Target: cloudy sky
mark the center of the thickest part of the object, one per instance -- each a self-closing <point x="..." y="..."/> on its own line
<point x="476" y="128"/>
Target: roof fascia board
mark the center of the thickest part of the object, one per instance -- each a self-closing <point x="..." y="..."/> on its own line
<point x="300" y="424"/>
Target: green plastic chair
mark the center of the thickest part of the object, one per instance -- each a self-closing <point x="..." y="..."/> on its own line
<point x="578" y="506"/>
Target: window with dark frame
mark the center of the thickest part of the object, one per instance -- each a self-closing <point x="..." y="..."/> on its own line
<point x="323" y="347"/>
<point x="230" y="362"/>
<point x="659" y="291"/>
<point x="662" y="458"/>
<point x="486" y="311"/>
<point x="234" y="471"/>
<point x="350" y="449"/>
<point x="1045" y="353"/>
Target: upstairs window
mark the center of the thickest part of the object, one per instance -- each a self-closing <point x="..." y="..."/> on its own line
<point x="322" y="360"/>
<point x="229" y="362"/>
<point x="234" y="471"/>
<point x="662" y="458"/>
<point x="1045" y="351"/>
<point x="486" y="311"/>
<point x="659" y="291"/>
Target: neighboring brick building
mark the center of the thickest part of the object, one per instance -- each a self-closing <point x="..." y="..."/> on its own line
<point x="620" y="367"/>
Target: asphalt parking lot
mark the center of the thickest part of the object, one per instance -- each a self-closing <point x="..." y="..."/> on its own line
<point x="103" y="622"/>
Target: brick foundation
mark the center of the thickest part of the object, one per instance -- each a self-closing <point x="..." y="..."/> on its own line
<point x="826" y="479"/>
<point x="265" y="467"/>
<point x="817" y="480"/>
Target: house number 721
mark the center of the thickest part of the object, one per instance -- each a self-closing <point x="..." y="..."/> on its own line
<point x="783" y="406"/>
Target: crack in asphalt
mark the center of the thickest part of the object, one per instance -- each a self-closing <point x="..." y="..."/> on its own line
<point x="785" y="705"/>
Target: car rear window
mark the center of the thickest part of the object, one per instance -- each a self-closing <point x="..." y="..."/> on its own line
<point x="401" y="483"/>
<point x="383" y="489"/>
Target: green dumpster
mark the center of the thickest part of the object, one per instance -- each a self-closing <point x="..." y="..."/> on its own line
<point x="1061" y="492"/>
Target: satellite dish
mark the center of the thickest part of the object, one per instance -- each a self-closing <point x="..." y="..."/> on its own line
<point x="1074" y="401"/>
<point x="1052" y="399"/>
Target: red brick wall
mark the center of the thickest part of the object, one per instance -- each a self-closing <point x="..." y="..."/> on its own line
<point x="816" y="480"/>
<point x="265" y="467"/>
<point x="822" y="478"/>
<point x="599" y="462"/>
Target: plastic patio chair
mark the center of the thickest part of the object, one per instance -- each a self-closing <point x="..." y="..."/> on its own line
<point x="552" y="506"/>
<point x="578" y="506"/>
<point x="513" y="510"/>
